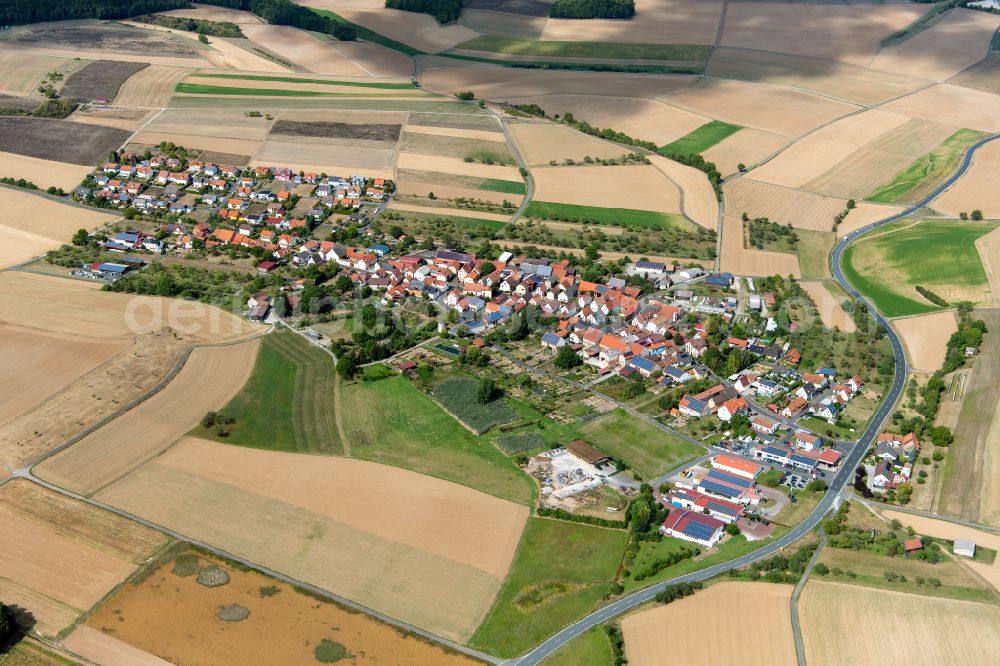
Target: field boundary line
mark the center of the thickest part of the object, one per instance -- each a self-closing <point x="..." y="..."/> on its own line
<point x="800" y="651"/>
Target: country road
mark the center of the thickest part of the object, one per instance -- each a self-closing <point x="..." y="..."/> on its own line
<point x="841" y="480"/>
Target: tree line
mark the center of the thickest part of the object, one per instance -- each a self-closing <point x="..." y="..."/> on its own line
<point x="589" y="9"/>
<point x="445" y="11"/>
<point x="19" y="12"/>
<point x="285" y="12"/>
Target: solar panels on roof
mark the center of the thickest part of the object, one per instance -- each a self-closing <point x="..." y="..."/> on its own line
<point x="721" y="508"/>
<point x="699" y="530"/>
<point x="730" y="478"/>
<point x="720" y="489"/>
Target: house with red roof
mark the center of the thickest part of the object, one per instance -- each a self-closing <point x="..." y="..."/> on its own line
<point x="693" y="526"/>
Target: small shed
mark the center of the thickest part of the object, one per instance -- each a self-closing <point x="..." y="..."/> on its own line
<point x="913" y="545"/>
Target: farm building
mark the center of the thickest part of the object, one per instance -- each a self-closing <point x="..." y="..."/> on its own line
<point x="964" y="547"/>
<point x="693" y="526"/>
<point x="727" y="512"/>
<point x="737" y="466"/>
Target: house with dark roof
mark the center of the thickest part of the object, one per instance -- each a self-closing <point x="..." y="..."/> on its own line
<point x="693" y="526"/>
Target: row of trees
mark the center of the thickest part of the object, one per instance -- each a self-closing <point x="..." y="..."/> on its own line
<point x="589" y="9"/>
<point x="285" y="12"/>
<point x="445" y="11"/>
<point x="19" y="12"/>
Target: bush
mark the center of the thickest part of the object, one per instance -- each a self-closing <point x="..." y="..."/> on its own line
<point x="329" y="652"/>
<point x="468" y="95"/>
<point x="269" y="591"/>
<point x="931" y="296"/>
<point x="186" y="565"/>
<point x="232" y="613"/>
<point x="212" y="576"/>
<point x="679" y="591"/>
<point x="562" y="514"/>
<point x="821" y="569"/>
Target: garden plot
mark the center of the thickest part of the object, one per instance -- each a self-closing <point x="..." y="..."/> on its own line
<point x="946" y="48"/>
<point x="698" y="199"/>
<point x="747" y="147"/>
<point x="655" y="22"/>
<point x="926" y="338"/>
<point x="858" y="172"/>
<point x="774" y="109"/>
<point x="506" y="82"/>
<point x="32" y="224"/>
<point x="540" y="142"/>
<point x="42" y="173"/>
<point x="683" y="628"/>
<point x="822" y="150"/>
<point x="214" y="374"/>
<point x="60" y="556"/>
<point x="851" y="83"/>
<point x="99" y="80"/>
<point x="951" y="105"/>
<point x="20" y="72"/>
<point x="420" y="31"/>
<point x="152" y="87"/>
<point x="61" y="140"/>
<point x="741" y="261"/>
<point x="169" y="613"/>
<point x="830" y="611"/>
<point x="435" y="560"/>
<point x="831" y="312"/>
<point x="848" y="33"/>
<point x="977" y="189"/>
<point x="639" y="187"/>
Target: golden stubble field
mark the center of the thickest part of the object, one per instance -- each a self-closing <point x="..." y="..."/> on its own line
<point x="420" y="549"/>
<point x="31" y="225"/>
<point x="687" y="630"/>
<point x="977" y="189"/>
<point x="45" y="317"/>
<point x="42" y="173"/>
<point x="540" y="142"/>
<point x="211" y="376"/>
<point x="926" y="338"/>
<point x="640" y="187"/>
<point x="173" y="616"/>
<point x="737" y="259"/>
<point x="847" y="624"/>
<point x="61" y="556"/>
<point x="830" y="311"/>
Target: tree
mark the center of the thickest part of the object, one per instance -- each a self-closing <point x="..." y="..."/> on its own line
<point x="466" y="95"/>
<point x="977" y="215"/>
<point x="732" y="529"/>
<point x="347" y="366"/>
<point x="81" y="237"/>
<point x="203" y="38"/>
<point x="8" y="624"/>
<point x="486" y="391"/>
<point x="566" y="358"/>
<point x="487" y="268"/>
<point x="963" y="216"/>
<point x="821" y="569"/>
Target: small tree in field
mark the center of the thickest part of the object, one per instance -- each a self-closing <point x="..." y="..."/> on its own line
<point x="486" y="391"/>
<point x="566" y="358"/>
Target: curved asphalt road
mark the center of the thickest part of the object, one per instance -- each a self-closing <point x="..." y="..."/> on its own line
<point x="842" y="479"/>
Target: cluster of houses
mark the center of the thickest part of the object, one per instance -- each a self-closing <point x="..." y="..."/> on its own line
<point x="894" y="456"/>
<point x="790" y="393"/>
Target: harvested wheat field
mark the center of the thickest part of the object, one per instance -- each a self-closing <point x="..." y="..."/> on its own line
<point x="851" y="83"/>
<point x="20" y="72"/>
<point x="848" y="33"/>
<point x="210" y="13"/>
<point x="830" y="612"/>
<point x="988" y="247"/>
<point x="451" y="212"/>
<point x="646" y="119"/>
<point x="244" y="148"/>
<point x="747" y="147"/>
<point x="946" y="48"/>
<point x="283" y="626"/>
<point x="302" y="49"/>
<point x="42" y="173"/>
<point x="736" y="258"/>
<point x="480" y="135"/>
<point x="420" y="31"/>
<point x="219" y="52"/>
<point x="332" y="156"/>
<point x="977" y="189"/>
<point x="646" y="186"/>
<point x="685" y="628"/>
<point x="856" y="173"/>
<point x="421" y="188"/>
<point x="213" y="374"/>
<point x="804" y="210"/>
<point x="50" y="361"/>
<point x="435" y="560"/>
<point x="951" y="105"/>
<point x="774" y="109"/>
<point x="540" y="142"/>
<point x="497" y="83"/>
<point x="339" y="86"/>
<point x="822" y="150"/>
<point x="100" y="648"/>
<point x="926" y="338"/>
<point x="698" y="199"/>
<point x="456" y="166"/>
<point x="983" y="76"/>
<point x="222" y="123"/>
<point x="151" y="87"/>
<point x="829" y="308"/>
<point x="944" y="529"/>
<point x="655" y="22"/>
<point x="339" y="116"/>
<point x="62" y="556"/>
<point x="125" y="119"/>
<point x="32" y="224"/>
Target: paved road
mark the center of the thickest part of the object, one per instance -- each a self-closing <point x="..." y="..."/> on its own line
<point x="842" y="479"/>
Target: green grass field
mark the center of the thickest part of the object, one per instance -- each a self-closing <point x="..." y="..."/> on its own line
<point x="703" y="137"/>
<point x="204" y="89"/>
<point x="649" y="450"/>
<point x="292" y="79"/>
<point x="391" y="422"/>
<point x="531" y="47"/>
<point x="591" y="648"/>
<point x="505" y="186"/>
<point x="494" y="225"/>
<point x="561" y="571"/>
<point x="287" y="404"/>
<point x="650" y="551"/>
<point x="937" y="254"/>
<point x="618" y="217"/>
<point x="917" y="179"/>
